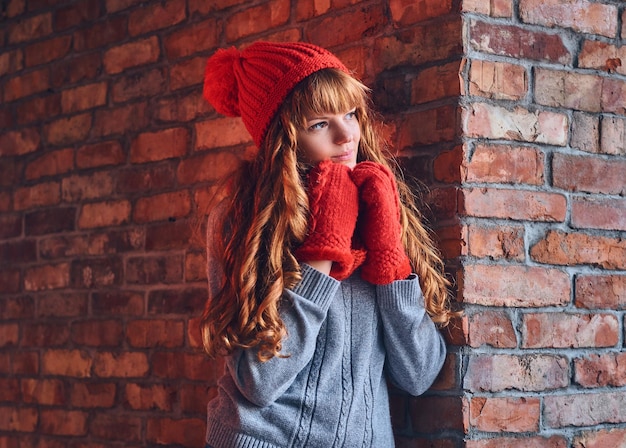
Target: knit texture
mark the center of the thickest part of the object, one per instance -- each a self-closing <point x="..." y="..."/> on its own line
<point x="380" y="227"/>
<point x="254" y="82"/>
<point x="333" y="210"/>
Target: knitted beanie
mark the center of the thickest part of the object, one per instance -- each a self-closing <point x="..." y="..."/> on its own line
<point x="253" y="83"/>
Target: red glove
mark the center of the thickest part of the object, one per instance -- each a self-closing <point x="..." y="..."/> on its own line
<point x="333" y="208"/>
<point x="380" y="227"/>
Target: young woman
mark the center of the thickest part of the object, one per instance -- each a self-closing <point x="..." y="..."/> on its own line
<point x="323" y="282"/>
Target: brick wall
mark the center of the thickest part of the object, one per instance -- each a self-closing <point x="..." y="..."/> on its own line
<point x="511" y="111"/>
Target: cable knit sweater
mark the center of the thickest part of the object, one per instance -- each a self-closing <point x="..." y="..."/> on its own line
<point x="344" y="339"/>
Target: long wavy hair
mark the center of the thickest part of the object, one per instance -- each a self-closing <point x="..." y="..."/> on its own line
<point x="266" y="218"/>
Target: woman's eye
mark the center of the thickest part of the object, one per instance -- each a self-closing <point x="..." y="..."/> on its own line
<point x="351" y="114"/>
<point x="318" y="125"/>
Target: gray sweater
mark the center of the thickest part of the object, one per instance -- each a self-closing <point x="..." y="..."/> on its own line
<point x="343" y="339"/>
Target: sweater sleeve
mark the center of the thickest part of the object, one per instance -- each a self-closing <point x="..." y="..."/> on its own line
<point x="415" y="347"/>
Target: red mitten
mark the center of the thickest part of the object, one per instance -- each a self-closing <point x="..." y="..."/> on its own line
<point x="333" y="208"/>
<point x="380" y="227"/>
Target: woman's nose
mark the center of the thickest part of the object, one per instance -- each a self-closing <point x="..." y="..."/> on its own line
<point x="343" y="134"/>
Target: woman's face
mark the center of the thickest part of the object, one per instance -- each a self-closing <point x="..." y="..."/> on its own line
<point x="330" y="136"/>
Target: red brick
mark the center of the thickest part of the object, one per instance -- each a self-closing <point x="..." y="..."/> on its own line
<point x="72" y="363"/>
<point x="520" y="442"/>
<point x="22" y="308"/>
<point x="50" y="220"/>
<point x="161" y="207"/>
<point x="10" y="280"/>
<point x="53" y="276"/>
<point x="116" y="426"/>
<point x="585" y="132"/>
<point x="43" y="391"/>
<point x="192" y="366"/>
<point x="121" y="365"/>
<point x="69" y="130"/>
<point x="519" y="43"/>
<point x="10" y="225"/>
<point x="497" y="80"/>
<point x="493" y="328"/>
<point x="15" y="143"/>
<point x="146" y="178"/>
<point x="120" y="120"/>
<point x="482" y="120"/>
<point x="127" y="303"/>
<point x="589" y="174"/>
<point x="435" y="83"/>
<point x="26" y="84"/>
<point x="592" y="213"/>
<point x="23" y="419"/>
<point x="525" y="205"/>
<point x="600" y="370"/>
<point x="436" y="413"/>
<point x="567" y="89"/>
<point x="38" y="109"/>
<point x="203" y="7"/>
<point x="195" y="267"/>
<point x="91" y="186"/>
<point x="600" y="439"/>
<point x="151" y="17"/>
<point x="47" y="334"/>
<point x="150" y="397"/>
<point x="183" y="301"/>
<point x="9" y="334"/>
<point x="560" y="330"/>
<point x="506" y="164"/>
<point x="93" y="395"/>
<point x="100" y="154"/>
<point x="153" y="146"/>
<point x="505" y="414"/>
<point x="613" y="132"/>
<point x="256" y="19"/>
<point x="25" y="363"/>
<point x="583" y="409"/>
<point x="186" y="73"/>
<point x="80" y="68"/>
<point x="10" y="391"/>
<point x="427" y="127"/>
<point x="601" y="291"/>
<point x="11" y="61"/>
<point x="154" y="270"/>
<point x="406" y="13"/>
<point x="61" y="304"/>
<point x="581" y="15"/>
<point x="221" y="132"/>
<point x="92" y="244"/>
<point x="497" y="8"/>
<point x="50" y="163"/>
<point x="101" y="34"/>
<point x="11" y="170"/>
<point x="97" y="333"/>
<point x="38" y="195"/>
<point x="131" y="54"/>
<point x="597" y="54"/>
<point x="118" y="5"/>
<point x="84" y="97"/>
<point x="76" y="14"/>
<point x="30" y="28"/>
<point x="578" y="249"/>
<point x="97" y="272"/>
<point x="496" y="242"/>
<point x="47" y="50"/>
<point x="515" y="286"/>
<point x="192" y="39"/>
<point x="529" y="373"/>
<point x="155" y="333"/>
<point x="194" y="397"/>
<point x="185" y="432"/>
<point x="147" y="83"/>
<point x="21" y="251"/>
<point x="614" y="96"/>
<point x="104" y="214"/>
<point x="206" y="167"/>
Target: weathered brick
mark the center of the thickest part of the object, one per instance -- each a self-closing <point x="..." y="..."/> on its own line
<point x="256" y="19"/>
<point x="128" y="303"/>
<point x="93" y="395"/>
<point x="38" y="195"/>
<point x="91" y="244"/>
<point x="593" y="213"/>
<point x="116" y="426"/>
<point x="153" y="270"/>
<point x="47" y="334"/>
<point x="15" y="143"/>
<point x="184" y="108"/>
<point x="520" y="43"/>
<point x="10" y="280"/>
<point x="84" y="97"/>
<point x="160" y="145"/>
<point x="500" y="414"/>
<point x="149" y="179"/>
<point x="561" y="330"/>
<point x="26" y="84"/>
<point x="195" y="267"/>
<point x="72" y="363"/>
<point x="186" y="432"/>
<point x="529" y="373"/>
<point x="48" y="50"/>
<point x="11" y="61"/>
<point x="600" y="370"/>
<point x="151" y="17"/>
<point x="580" y="15"/>
<point x="97" y="333"/>
<point x="68" y="130"/>
<point x="61" y="304"/>
<point x="436" y="413"/>
<point x="155" y="333"/>
<point x="406" y="13"/>
<point x="103" y="214"/>
<point x="204" y="167"/>
<point x="96" y="272"/>
<point x="22" y="307"/>
<point x="514" y="204"/>
<point x="584" y="409"/>
<point x="585" y="132"/>
<point x="588" y="174"/>
<point x="427" y="127"/>
<point x="193" y="366"/>
<point x="147" y="83"/>
<point x="132" y="54"/>
<point x="613" y="135"/>
<point x="50" y="220"/>
<point x="519" y="442"/>
<point x="79" y="68"/>
<point x="167" y="301"/>
<point x="600" y="439"/>
<point x="10" y="225"/>
<point x="191" y="39"/>
<point x="126" y="364"/>
<point x="580" y="249"/>
<point x="50" y="163"/>
<point x="31" y="28"/>
<point x="614" y="96"/>
<point x="598" y="55"/>
<point x="43" y="391"/>
<point x="164" y="206"/>
<point x="119" y="5"/>
<point x="10" y="390"/>
<point x="76" y="14"/>
<point x="506" y="164"/>
<point x="52" y="276"/>
<point x="20" y="251"/>
<point x="498" y="80"/>
<point x="493" y="328"/>
<point x="567" y="89"/>
<point x="517" y="286"/>
<point x="120" y="120"/>
<point x="497" y="8"/>
<point x="494" y="122"/>
<point x="193" y="397"/>
<point x="601" y="291"/>
<point x="101" y="34"/>
<point x="496" y="242"/>
<point x="24" y="363"/>
<point x="221" y="132"/>
<point x="434" y="83"/>
<point x="149" y="396"/>
<point x="100" y="154"/>
<point x="9" y="334"/>
<point x="203" y="7"/>
<point x="23" y="419"/>
<point x="78" y="188"/>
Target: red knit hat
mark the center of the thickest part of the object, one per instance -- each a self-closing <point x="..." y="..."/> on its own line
<point x="253" y="83"/>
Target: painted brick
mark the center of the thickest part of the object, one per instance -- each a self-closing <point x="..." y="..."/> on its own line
<point x="515" y="286"/>
<point x="501" y="242"/>
<point x="191" y="39"/>
<point x="155" y="16"/>
<point x="147" y="83"/>
<point x="221" y="132"/>
<point x="71" y="363"/>
<point x="78" y="188"/>
<point x="579" y="249"/>
<point x="153" y="146"/>
<point x="585" y="132"/>
<point x="119" y="5"/>
<point x="593" y="213"/>
<point x="104" y="214"/>
<point x="149" y="396"/>
<point x="84" y="97"/>
<point x="600" y="439"/>
<point x="97" y="333"/>
<point x="600" y="370"/>
<point x="10" y="390"/>
<point x="514" y="204"/>
<point x="528" y="373"/>
<point x="121" y="365"/>
<point x="53" y="276"/>
<point x="601" y="291"/>
<point x="31" y="28"/>
<point x="613" y="132"/>
<point x="555" y="330"/>
<point x="497" y="8"/>
<point x="498" y="80"/>
<point x="520" y="43"/>
<point x="580" y="15"/>
<point x="116" y="427"/>
<point x="131" y="54"/>
<point x="508" y="414"/>
<point x="584" y="409"/>
<point x="43" y="391"/>
<point x="257" y="19"/>
<point x="65" y="131"/>
<point x="93" y="395"/>
<point x="15" y="143"/>
<point x="11" y="170"/>
<point x="493" y="328"/>
<point x="406" y="13"/>
<point x="210" y="166"/>
<point x="482" y="120"/>
<point x="50" y="163"/>
<point x="101" y="34"/>
<point x="26" y="84"/>
<point x="588" y="174"/>
<point x="186" y="432"/>
<point x="100" y="154"/>
<point x="505" y="164"/>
